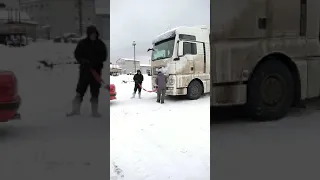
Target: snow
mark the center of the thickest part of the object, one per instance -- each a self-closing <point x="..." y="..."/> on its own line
<point x="114" y="66"/>
<point x="127" y="59"/>
<point x="148" y="141"/>
<point x="161" y="141"/>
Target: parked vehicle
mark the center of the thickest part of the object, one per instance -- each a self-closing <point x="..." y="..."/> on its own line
<point x="112" y="90"/>
<point x="9" y="98"/>
<point x="65" y="38"/>
<point x="184" y="53"/>
<point x="75" y="40"/>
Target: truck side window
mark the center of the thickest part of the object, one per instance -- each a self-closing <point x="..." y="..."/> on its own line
<point x="189" y="48"/>
<point x="187" y="37"/>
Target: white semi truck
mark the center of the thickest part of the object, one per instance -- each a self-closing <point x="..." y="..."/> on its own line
<point x="184" y="54"/>
<point x="265" y="54"/>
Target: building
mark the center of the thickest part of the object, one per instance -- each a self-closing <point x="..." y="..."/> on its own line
<point x="145" y="68"/>
<point x="103" y="22"/>
<point x="115" y="69"/>
<point x="128" y="66"/>
<point x="58" y="17"/>
<point x="14" y="22"/>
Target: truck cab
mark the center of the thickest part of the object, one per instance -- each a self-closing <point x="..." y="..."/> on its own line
<point x="183" y="54"/>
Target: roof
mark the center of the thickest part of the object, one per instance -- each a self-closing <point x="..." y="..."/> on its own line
<point x="171" y="33"/>
<point x="127" y="59"/>
<point x="14" y="15"/>
<point x="114" y="66"/>
<point x="145" y="65"/>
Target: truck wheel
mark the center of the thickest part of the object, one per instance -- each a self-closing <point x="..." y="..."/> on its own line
<point x="195" y="90"/>
<point x="270" y="91"/>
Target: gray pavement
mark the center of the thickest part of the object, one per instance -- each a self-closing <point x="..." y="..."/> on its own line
<point x="288" y="149"/>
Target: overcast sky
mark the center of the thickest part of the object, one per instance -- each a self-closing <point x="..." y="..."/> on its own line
<point x="143" y="20"/>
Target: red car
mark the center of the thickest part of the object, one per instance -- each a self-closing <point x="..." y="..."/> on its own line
<point x="9" y="98"/>
<point x="112" y="90"/>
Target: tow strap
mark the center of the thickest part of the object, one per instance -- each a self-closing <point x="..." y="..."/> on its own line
<point x="98" y="78"/>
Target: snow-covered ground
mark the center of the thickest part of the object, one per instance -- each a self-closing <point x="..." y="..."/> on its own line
<point x="148" y="141"/>
<point x="159" y="141"/>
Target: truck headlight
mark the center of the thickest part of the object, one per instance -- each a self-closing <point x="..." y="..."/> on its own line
<point x="170" y="80"/>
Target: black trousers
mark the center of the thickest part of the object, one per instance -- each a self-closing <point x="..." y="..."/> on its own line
<point x="86" y="79"/>
<point x="137" y="87"/>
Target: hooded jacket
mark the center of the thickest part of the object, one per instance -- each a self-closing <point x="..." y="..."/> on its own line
<point x="161" y="81"/>
<point x="138" y="78"/>
<point x="91" y="54"/>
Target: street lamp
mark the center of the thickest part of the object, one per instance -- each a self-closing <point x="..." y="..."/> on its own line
<point x="134" y="55"/>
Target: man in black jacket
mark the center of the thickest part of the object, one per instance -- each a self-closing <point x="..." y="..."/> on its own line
<point x="138" y="79"/>
<point x="90" y="53"/>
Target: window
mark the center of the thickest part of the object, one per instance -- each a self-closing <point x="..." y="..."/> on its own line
<point x="187" y="37"/>
<point x="163" y="49"/>
<point x="189" y="48"/>
<point x="303" y="17"/>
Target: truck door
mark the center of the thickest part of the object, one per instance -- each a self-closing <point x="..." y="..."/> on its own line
<point x="195" y="56"/>
<point x="235" y="26"/>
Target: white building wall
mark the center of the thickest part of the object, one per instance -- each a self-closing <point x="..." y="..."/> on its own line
<point x="128" y="65"/>
<point x="103" y="25"/>
<point x="144" y="69"/>
<point x="61" y="15"/>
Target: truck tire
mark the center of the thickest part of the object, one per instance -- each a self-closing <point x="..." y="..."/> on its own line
<point x="270" y="91"/>
<point x="195" y="90"/>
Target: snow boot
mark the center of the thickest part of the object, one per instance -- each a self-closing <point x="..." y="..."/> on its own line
<point x="139" y="95"/>
<point x="94" y="109"/>
<point x="76" y="105"/>
<point x="133" y="95"/>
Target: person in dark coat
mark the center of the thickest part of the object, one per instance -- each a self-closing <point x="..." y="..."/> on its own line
<point x="138" y="79"/>
<point x="161" y="82"/>
<point x="90" y="53"/>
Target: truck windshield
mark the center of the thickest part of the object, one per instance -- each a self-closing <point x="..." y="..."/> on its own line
<point x="163" y="49"/>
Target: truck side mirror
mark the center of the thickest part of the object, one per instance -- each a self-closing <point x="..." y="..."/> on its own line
<point x="180" y="49"/>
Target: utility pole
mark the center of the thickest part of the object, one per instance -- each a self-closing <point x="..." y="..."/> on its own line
<point x="80" y="6"/>
<point x="134" y="56"/>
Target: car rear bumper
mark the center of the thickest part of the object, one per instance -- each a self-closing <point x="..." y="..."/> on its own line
<point x="8" y="110"/>
<point x="10" y="105"/>
<point x="113" y="96"/>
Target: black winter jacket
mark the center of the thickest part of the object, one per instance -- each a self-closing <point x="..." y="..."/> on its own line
<point x="91" y="54"/>
<point x="138" y="78"/>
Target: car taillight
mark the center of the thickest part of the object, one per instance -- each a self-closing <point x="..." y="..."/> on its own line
<point x="8" y="84"/>
<point x="112" y="88"/>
